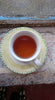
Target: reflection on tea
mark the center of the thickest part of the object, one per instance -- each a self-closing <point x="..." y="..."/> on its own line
<point x="24" y="46"/>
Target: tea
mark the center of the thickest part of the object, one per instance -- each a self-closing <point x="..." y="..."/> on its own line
<point x="24" y="46"/>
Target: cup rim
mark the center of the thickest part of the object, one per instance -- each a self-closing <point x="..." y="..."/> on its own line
<point x="13" y="55"/>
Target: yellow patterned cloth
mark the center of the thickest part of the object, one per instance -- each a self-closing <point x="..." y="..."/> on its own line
<point x="21" y="69"/>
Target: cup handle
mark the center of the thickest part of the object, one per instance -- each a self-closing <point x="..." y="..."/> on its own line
<point x="37" y="62"/>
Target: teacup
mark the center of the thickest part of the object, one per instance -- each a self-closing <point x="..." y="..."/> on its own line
<point x="22" y="42"/>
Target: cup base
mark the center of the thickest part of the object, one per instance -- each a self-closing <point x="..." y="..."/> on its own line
<point x="17" y="68"/>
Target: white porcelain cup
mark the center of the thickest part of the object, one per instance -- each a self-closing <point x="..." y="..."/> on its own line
<point x="29" y="60"/>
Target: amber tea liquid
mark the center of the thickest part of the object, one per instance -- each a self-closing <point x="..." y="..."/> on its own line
<point x="24" y="46"/>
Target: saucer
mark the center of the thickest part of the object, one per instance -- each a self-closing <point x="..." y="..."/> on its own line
<point x="21" y="69"/>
